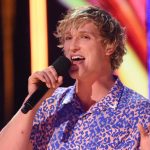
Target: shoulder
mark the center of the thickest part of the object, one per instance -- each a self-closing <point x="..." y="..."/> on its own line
<point x="133" y="97"/>
<point x="59" y="94"/>
<point x="136" y="105"/>
<point x="50" y="104"/>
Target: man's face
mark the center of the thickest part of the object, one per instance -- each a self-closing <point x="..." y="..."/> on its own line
<point x="83" y="47"/>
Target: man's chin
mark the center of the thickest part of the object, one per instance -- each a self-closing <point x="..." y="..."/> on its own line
<point x="74" y="74"/>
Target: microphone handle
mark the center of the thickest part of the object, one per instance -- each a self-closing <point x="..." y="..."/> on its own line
<point x="34" y="98"/>
<point x="61" y="65"/>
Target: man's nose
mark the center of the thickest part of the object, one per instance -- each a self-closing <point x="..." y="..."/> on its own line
<point x="74" y="45"/>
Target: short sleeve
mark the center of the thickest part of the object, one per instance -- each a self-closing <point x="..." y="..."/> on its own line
<point x="42" y="129"/>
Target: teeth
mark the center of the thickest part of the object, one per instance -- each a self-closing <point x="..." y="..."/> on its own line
<point x="77" y="58"/>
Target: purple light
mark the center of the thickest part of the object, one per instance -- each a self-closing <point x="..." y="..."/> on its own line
<point x="148" y="42"/>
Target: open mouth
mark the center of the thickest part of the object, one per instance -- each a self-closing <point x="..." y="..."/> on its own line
<point x="77" y="58"/>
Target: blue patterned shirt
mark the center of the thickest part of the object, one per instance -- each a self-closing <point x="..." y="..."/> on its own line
<point x="111" y="123"/>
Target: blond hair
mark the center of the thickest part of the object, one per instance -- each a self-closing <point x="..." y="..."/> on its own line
<point x="109" y="29"/>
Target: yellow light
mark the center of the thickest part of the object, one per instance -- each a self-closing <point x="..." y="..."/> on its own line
<point x="38" y="32"/>
<point x="133" y="74"/>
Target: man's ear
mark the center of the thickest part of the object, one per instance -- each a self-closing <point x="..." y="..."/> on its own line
<point x="110" y="48"/>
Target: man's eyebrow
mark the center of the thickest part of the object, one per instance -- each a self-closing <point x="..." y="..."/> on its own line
<point x="95" y="34"/>
<point x="88" y="32"/>
<point x="66" y="33"/>
<point x="83" y="32"/>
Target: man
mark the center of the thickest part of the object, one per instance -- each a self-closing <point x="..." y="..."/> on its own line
<point x="98" y="112"/>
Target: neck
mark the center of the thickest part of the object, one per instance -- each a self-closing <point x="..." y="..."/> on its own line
<point x="92" y="91"/>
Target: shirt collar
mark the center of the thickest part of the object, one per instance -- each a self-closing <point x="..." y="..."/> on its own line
<point x="111" y="100"/>
<point x="113" y="97"/>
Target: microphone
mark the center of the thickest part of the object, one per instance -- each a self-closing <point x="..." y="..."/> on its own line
<point x="61" y="65"/>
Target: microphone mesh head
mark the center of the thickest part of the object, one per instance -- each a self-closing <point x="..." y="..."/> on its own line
<point x="62" y="65"/>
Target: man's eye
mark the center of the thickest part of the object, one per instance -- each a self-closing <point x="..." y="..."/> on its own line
<point x="85" y="37"/>
<point x="68" y="38"/>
